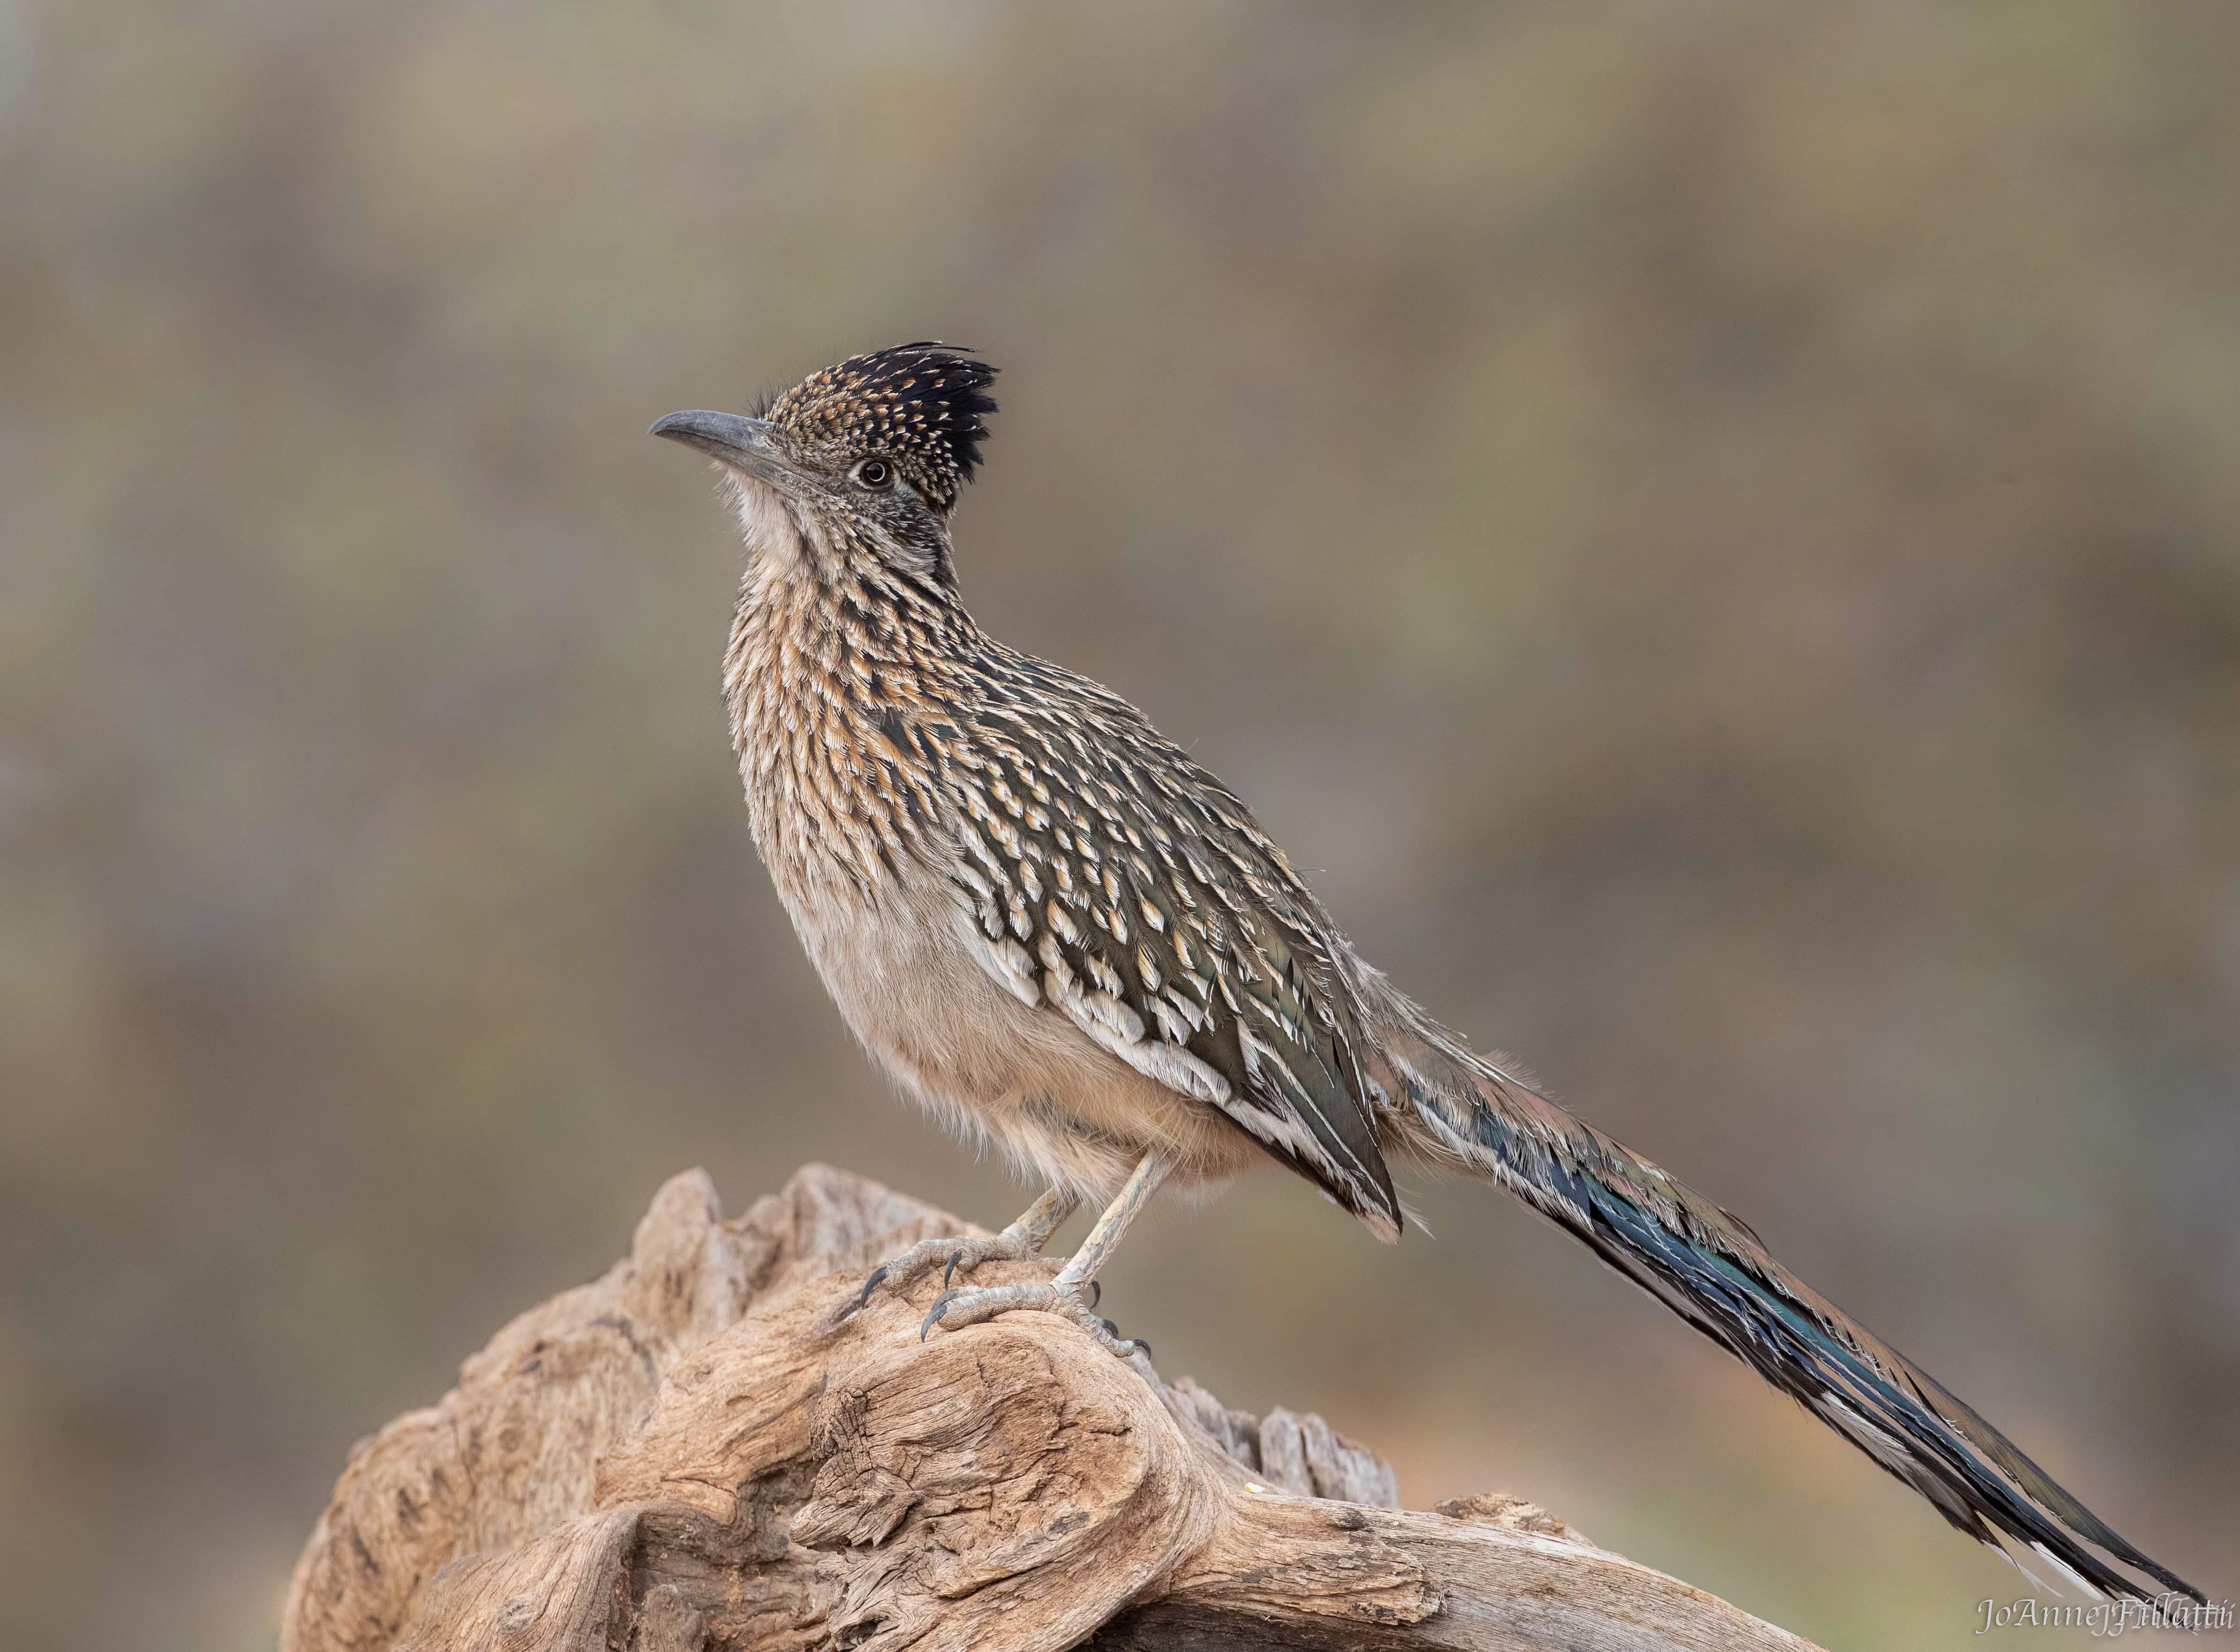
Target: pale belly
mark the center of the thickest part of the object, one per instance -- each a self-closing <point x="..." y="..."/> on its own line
<point x="1060" y="1109"/>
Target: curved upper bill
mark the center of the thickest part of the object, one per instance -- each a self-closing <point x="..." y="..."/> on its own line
<point x="743" y="443"/>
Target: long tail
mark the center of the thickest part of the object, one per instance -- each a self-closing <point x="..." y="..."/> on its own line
<point x="1708" y="1267"/>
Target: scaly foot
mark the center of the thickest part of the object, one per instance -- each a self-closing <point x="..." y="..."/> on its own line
<point x="964" y="1251"/>
<point x="953" y="1310"/>
<point x="1022" y="1239"/>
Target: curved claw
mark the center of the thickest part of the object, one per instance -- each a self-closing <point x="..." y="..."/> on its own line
<point x="950" y="1272"/>
<point x="1096" y="1292"/>
<point x="1118" y="1340"/>
<point x="933" y="1313"/>
<point x="864" y="1297"/>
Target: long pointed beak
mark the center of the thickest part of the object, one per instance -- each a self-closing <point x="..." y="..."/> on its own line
<point x="743" y="443"/>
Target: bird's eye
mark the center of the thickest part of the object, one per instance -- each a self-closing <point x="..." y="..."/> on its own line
<point x="875" y="473"/>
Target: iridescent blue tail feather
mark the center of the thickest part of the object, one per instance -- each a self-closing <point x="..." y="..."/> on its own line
<point x="1710" y="1267"/>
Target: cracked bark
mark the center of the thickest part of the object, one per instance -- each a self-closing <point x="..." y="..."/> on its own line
<point x="691" y="1453"/>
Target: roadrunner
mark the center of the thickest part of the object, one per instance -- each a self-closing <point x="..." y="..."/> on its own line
<point x="1066" y="937"/>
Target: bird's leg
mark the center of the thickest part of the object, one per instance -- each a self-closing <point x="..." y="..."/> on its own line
<point x="1063" y="1294"/>
<point x="1023" y="1238"/>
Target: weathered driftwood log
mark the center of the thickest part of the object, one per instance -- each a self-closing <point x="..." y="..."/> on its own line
<point x="695" y="1452"/>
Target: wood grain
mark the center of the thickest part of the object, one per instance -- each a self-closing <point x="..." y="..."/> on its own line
<point x="699" y="1452"/>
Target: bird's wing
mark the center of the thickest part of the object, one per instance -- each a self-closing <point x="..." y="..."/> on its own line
<point x="1115" y="881"/>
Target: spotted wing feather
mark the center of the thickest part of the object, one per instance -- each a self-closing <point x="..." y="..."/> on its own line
<point x="1116" y="882"/>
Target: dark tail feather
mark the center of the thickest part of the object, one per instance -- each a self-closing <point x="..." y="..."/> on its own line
<point x="1709" y="1267"/>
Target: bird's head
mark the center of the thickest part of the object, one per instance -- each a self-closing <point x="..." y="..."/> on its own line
<point x="868" y="456"/>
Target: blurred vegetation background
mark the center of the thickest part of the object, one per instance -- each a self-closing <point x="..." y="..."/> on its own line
<point x="1715" y="531"/>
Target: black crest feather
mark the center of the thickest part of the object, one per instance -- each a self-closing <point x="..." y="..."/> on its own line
<point x="920" y="405"/>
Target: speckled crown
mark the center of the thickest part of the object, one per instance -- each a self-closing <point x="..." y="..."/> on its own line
<point x="918" y="405"/>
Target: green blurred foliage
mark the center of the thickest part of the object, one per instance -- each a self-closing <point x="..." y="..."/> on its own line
<point x="1714" y="529"/>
